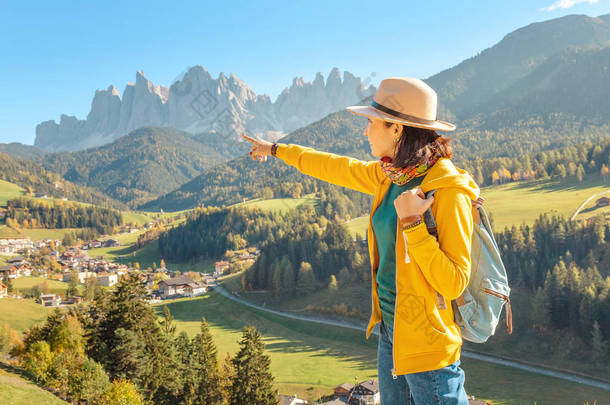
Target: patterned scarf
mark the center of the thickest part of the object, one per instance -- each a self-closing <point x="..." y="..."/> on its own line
<point x="402" y="176"/>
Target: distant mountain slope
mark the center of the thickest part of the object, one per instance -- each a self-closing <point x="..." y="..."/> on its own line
<point x="574" y="82"/>
<point x="22" y="151"/>
<point x="470" y="84"/>
<point x="36" y="179"/>
<point x="528" y="93"/>
<point x="144" y="164"/>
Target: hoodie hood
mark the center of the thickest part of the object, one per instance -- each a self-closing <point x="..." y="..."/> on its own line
<point x="445" y="174"/>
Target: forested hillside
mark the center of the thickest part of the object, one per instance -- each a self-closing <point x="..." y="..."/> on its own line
<point x="244" y="178"/>
<point x="22" y="151"/>
<point x="144" y="164"/>
<point x="29" y="213"/>
<point x="37" y="180"/>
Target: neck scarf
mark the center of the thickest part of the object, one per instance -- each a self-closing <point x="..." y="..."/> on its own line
<point x="404" y="175"/>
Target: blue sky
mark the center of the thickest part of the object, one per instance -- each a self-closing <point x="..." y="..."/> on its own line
<point x="56" y="54"/>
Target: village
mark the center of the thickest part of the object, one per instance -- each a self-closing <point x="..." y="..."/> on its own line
<point x="75" y="263"/>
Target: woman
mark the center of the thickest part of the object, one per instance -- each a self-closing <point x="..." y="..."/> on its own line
<point x="414" y="275"/>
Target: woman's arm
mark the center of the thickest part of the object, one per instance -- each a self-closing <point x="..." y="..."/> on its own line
<point x="359" y="175"/>
<point x="445" y="264"/>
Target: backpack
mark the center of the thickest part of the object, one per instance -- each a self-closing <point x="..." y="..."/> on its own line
<point x="477" y="311"/>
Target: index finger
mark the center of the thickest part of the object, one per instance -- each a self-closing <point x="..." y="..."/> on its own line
<point x="247" y="138"/>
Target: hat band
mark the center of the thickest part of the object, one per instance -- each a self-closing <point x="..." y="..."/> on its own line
<point x="401" y="115"/>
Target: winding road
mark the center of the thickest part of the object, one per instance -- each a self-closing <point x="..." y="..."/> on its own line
<point x="478" y="356"/>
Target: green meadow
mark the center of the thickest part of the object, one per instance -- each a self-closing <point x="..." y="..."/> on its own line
<point x="282" y="204"/>
<point x="35" y="233"/>
<point x="309" y="358"/>
<point x="16" y="390"/>
<point x="54" y="286"/>
<point x="8" y="191"/>
<point x="20" y="314"/>
<point x="518" y="202"/>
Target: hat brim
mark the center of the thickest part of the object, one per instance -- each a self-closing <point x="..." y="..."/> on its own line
<point x="372" y="112"/>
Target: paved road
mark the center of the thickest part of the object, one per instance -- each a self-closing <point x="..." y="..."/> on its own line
<point x="465" y="353"/>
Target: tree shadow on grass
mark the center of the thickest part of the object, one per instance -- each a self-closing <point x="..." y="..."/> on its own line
<point x="549" y="185"/>
<point x="282" y="335"/>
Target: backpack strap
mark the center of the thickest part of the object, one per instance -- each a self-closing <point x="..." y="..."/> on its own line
<point x="429" y="218"/>
<point x="431" y="222"/>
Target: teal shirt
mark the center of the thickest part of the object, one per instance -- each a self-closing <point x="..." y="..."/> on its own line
<point x="384" y="228"/>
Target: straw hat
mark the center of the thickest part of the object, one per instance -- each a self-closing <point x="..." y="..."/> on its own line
<point x="404" y="100"/>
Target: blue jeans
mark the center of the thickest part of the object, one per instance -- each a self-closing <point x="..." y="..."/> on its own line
<point x="443" y="386"/>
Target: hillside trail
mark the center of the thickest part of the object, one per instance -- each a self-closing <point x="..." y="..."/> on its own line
<point x="518" y="364"/>
<point x="581" y="206"/>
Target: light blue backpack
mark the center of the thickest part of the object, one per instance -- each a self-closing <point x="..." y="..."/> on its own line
<point x="477" y="311"/>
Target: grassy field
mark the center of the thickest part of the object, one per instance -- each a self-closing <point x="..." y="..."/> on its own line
<point x="138" y="218"/>
<point x="8" y="191"/>
<point x="358" y="226"/>
<point x="55" y="286"/>
<point x="519" y="202"/>
<point x="524" y="343"/>
<point x="356" y="297"/>
<point x="16" y="390"/>
<point x="280" y="203"/>
<point x="36" y="233"/>
<point x="308" y="357"/>
<point x="506" y="202"/>
<point x="21" y="314"/>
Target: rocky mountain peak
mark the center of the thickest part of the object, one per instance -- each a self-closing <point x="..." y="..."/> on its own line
<point x="198" y="102"/>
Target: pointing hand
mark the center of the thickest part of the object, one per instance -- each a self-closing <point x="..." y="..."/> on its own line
<point x="260" y="148"/>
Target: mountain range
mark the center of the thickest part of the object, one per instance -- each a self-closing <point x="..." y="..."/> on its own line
<point x="543" y="86"/>
<point x="199" y="103"/>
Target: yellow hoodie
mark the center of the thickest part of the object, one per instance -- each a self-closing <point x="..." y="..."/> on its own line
<point x="425" y="333"/>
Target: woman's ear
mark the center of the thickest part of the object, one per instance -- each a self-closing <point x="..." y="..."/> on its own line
<point x="397" y="128"/>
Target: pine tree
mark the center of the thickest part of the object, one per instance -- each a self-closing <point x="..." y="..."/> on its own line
<point x="205" y="366"/>
<point x="72" y="284"/>
<point x="580" y="173"/>
<point x="167" y="324"/>
<point x="187" y="376"/>
<point x="306" y="282"/>
<point x="253" y="382"/>
<point x="599" y="347"/>
<point x="288" y="275"/>
<point x="541" y="309"/>
<point x="125" y="337"/>
<point x="277" y="278"/>
<point x="332" y="285"/>
<point x="225" y="376"/>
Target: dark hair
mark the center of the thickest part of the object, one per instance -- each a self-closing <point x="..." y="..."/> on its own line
<point x="417" y="145"/>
